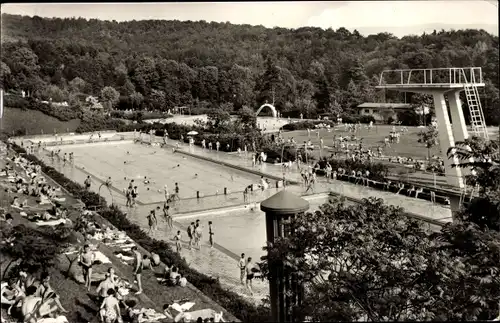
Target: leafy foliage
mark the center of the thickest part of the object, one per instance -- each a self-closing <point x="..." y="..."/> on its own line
<point x="370" y="262"/>
<point x="307" y="70"/>
<point x="429" y="138"/>
<point x="34" y="249"/>
<point x="483" y="158"/>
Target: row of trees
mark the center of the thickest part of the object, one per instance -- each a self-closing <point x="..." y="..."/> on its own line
<point x="370" y="262"/>
<point x="307" y="70"/>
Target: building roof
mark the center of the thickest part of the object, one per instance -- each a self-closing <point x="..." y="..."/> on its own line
<point x="385" y="105"/>
<point x="283" y="203"/>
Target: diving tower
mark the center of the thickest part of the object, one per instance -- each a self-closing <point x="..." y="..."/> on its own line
<point x="442" y="84"/>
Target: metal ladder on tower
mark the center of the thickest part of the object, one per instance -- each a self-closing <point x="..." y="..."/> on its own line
<point x="474" y="103"/>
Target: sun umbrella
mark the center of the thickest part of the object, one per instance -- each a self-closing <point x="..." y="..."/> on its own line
<point x="192" y="133"/>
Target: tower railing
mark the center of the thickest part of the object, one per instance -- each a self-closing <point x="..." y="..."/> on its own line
<point x="432" y="76"/>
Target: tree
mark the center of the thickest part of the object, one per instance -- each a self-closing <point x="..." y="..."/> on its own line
<point x="305" y="106"/>
<point x="334" y="108"/>
<point x="483" y="158"/>
<point x="242" y="86"/>
<point x="144" y="75"/>
<point x="371" y="262"/>
<point x="207" y="89"/>
<point x="157" y="100"/>
<point x="32" y="250"/>
<point x="136" y="100"/>
<point x="268" y="83"/>
<point x="55" y="94"/>
<point x="110" y="96"/>
<point x="322" y="95"/>
<point x="78" y="85"/>
<point x="4" y="73"/>
<point x="248" y="118"/>
<point x="429" y="138"/>
<point x="218" y="120"/>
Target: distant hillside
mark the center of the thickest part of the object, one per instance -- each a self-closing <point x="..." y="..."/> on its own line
<point x="163" y="64"/>
<point x="429" y="28"/>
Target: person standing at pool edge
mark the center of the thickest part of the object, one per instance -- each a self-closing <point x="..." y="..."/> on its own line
<point x="190" y="233"/>
<point x="242" y="265"/>
<point x="210" y="234"/>
<point x="87" y="183"/>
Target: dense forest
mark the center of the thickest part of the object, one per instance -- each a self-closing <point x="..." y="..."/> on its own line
<point x="158" y="64"/>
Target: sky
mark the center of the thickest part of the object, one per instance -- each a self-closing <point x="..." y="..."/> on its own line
<point x="398" y="17"/>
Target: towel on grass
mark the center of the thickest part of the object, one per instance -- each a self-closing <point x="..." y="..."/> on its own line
<point x="123" y="257"/>
<point x="150" y="315"/>
<point x="99" y="256"/>
<point x="182" y="308"/>
<point x="59" y="319"/>
<point x="204" y="314"/>
<point x="125" y="246"/>
<point x="51" y="223"/>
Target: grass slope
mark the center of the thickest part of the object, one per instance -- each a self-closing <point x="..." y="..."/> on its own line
<point x="34" y="122"/>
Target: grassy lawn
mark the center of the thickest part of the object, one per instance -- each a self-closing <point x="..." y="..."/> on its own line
<point x="74" y="297"/>
<point x="35" y="122"/>
<point x="408" y="145"/>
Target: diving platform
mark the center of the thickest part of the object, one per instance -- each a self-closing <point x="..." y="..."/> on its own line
<point x="431" y="79"/>
<point x="445" y="85"/>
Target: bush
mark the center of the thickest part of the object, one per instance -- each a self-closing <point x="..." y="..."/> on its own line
<point x="97" y="121"/>
<point x="140" y="115"/>
<point x="209" y="286"/>
<point x="14" y="101"/>
<point x="354" y="118"/>
<point x="273" y="152"/>
<point x="308" y="124"/>
<point x="62" y="113"/>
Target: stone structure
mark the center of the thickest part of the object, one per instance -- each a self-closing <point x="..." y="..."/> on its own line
<point x="279" y="208"/>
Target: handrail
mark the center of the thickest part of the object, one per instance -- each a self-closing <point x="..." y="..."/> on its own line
<point x="432" y="76"/>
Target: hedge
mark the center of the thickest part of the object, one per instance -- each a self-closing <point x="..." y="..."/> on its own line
<point x="307" y="124"/>
<point x="231" y="301"/>
<point x="140" y="115"/>
<point x="353" y="118"/>
<point x="310" y="124"/>
<point x="62" y="113"/>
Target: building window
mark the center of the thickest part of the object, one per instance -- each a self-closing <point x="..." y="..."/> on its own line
<point x="367" y="110"/>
